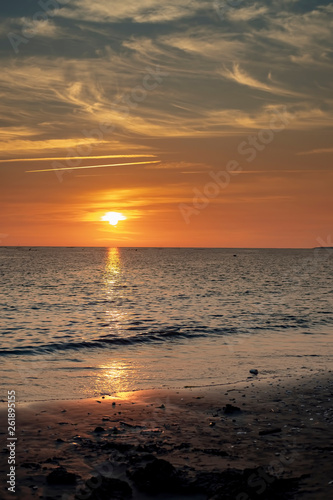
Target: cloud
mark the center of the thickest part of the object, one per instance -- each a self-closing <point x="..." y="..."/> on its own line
<point x="145" y="11"/>
<point x="206" y="44"/>
<point x="11" y="160"/>
<point x="44" y="28"/>
<point x="223" y="75"/>
<point x="309" y="32"/>
<point x="240" y="76"/>
<point x="181" y="165"/>
<point x="93" y="166"/>
<point x="247" y="13"/>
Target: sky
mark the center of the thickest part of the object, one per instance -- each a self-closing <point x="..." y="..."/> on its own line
<point x="204" y="123"/>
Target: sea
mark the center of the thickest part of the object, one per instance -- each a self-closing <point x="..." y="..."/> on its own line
<point x="85" y="322"/>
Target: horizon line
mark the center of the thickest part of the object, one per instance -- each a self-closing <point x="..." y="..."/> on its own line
<point x="166" y="247"/>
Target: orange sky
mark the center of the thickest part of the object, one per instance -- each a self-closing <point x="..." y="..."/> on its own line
<point x="162" y="111"/>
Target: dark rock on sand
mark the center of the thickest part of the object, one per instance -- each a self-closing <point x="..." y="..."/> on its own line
<point x="228" y="409"/>
<point x="254" y="371"/>
<point x="156" y="477"/>
<point x="106" y="489"/>
<point x="99" y="429"/>
<point x="61" y="476"/>
<point x="270" y="431"/>
<point x="254" y="484"/>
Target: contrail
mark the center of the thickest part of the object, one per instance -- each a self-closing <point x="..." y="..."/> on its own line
<point x="94" y="166"/>
<point x="77" y="158"/>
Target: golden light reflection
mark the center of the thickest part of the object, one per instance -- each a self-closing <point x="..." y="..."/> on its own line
<point x="113" y="264"/>
<point x="113" y="286"/>
<point x="114" y="378"/>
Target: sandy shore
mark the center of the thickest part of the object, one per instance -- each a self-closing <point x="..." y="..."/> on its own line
<point x="272" y="441"/>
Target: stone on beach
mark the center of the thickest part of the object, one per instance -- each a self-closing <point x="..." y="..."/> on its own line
<point x="61" y="476"/>
<point x="228" y="409"/>
<point x="99" y="429"/>
<point x="111" y="488"/>
<point x="270" y="431"/>
<point x="156" y="477"/>
<point x="254" y="371"/>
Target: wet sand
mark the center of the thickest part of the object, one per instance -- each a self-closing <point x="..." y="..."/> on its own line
<point x="255" y="440"/>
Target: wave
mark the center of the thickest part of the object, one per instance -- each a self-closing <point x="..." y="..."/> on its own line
<point x="101" y="342"/>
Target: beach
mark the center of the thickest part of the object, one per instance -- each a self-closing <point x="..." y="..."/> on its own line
<point x="255" y="440"/>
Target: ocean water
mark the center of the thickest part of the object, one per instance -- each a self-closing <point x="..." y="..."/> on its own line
<point x="77" y="322"/>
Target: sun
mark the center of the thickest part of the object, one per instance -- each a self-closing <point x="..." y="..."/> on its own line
<point x="113" y="218"/>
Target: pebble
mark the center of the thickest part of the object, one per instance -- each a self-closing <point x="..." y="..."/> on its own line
<point x="61" y="476"/>
<point x="231" y="409"/>
<point x="99" y="429"/>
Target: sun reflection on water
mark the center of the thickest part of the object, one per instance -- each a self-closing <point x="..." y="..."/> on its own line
<point x="115" y="314"/>
<point x="114" y="378"/>
<point x="113" y="266"/>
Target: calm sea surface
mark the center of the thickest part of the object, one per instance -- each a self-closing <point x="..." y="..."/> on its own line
<point x="77" y="322"/>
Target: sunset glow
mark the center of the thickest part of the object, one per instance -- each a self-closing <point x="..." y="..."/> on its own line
<point x="173" y="114"/>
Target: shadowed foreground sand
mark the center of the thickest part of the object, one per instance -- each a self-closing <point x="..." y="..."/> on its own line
<point x="272" y="441"/>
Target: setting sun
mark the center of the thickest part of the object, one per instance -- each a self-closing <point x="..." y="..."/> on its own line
<point x="113" y="218"/>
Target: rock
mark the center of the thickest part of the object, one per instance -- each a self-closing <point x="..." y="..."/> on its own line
<point x="156" y="477"/>
<point x="115" y="430"/>
<point x="61" y="476"/>
<point x="228" y="409"/>
<point x="270" y="431"/>
<point x="254" y="371"/>
<point x="110" y="488"/>
<point x="234" y="484"/>
<point x="99" y="429"/>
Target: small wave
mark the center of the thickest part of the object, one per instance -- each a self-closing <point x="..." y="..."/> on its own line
<point x="114" y="341"/>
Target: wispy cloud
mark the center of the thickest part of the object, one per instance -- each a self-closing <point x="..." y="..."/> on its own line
<point x="76" y="158"/>
<point x="241" y="77"/>
<point x="92" y="166"/>
<point x="236" y="68"/>
<point x="247" y="13"/>
<point x="145" y="11"/>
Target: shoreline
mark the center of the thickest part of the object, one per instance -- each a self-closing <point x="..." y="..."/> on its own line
<point x="276" y="356"/>
<point x="275" y="433"/>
